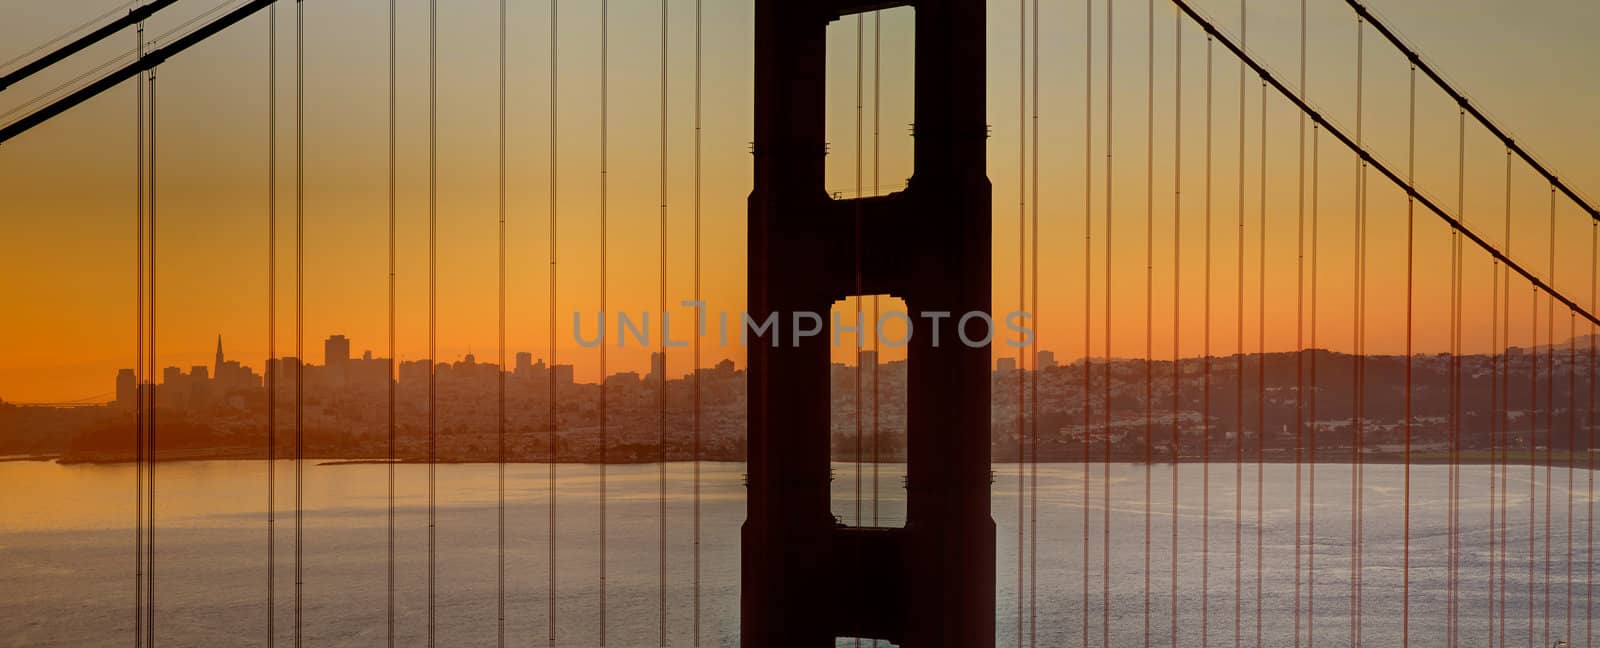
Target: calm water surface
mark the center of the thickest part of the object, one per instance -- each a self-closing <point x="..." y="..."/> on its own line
<point x="67" y="553"/>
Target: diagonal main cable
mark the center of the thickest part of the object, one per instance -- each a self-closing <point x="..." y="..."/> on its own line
<point x="1378" y="165"/>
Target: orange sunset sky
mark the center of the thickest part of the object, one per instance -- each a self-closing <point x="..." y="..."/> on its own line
<point x="67" y="188"/>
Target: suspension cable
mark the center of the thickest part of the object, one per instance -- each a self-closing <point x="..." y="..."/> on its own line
<point x="1205" y="407"/>
<point x="1105" y="466"/>
<point x="1177" y="298"/>
<point x="500" y="367"/>
<point x="860" y="446"/>
<point x="1238" y="368"/>
<point x="877" y="105"/>
<point x="1594" y="298"/>
<point x="1411" y="249"/>
<point x="1033" y="402"/>
<point x="661" y="373"/>
<point x="1466" y="105"/>
<point x="1088" y="303"/>
<point x="552" y="413"/>
<point x="605" y="240"/>
<point x="1459" y="414"/>
<point x="1453" y="429"/>
<point x="299" y="318"/>
<point x="1374" y="163"/>
<point x="68" y="34"/>
<point x="1261" y="365"/>
<point x="1550" y="415"/>
<point x="433" y="295"/>
<point x="150" y="410"/>
<point x="1495" y="430"/>
<point x="390" y="378"/>
<point x="698" y="101"/>
<point x="1021" y="300"/>
<point x="272" y="321"/>
<point x="1022" y="296"/>
<point x="150" y="60"/>
<point x="1311" y="496"/>
<point x="1549" y="424"/>
<point x="1299" y="322"/>
<point x="1572" y="441"/>
<point x="1149" y="287"/>
<point x="74" y="81"/>
<point x="1358" y="413"/>
<point x="1505" y="418"/>
<point x="138" y="354"/>
<point x="1533" y="453"/>
<point x="135" y="17"/>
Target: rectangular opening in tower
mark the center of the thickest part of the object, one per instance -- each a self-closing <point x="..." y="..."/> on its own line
<point x="870" y="102"/>
<point x="867" y="410"/>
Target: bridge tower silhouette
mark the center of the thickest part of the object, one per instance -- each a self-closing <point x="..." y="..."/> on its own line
<point x="807" y="579"/>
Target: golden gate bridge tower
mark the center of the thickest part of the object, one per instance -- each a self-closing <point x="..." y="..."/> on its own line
<point x="808" y="579"/>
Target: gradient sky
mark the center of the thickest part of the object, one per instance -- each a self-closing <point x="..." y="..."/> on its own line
<point x="67" y="188"/>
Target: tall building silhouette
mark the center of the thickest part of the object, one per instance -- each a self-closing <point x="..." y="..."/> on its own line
<point x="808" y="579"/>
<point x="127" y="388"/>
<point x="336" y="358"/>
<point x="658" y="368"/>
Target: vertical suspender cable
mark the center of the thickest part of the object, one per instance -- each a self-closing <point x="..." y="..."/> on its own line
<point x="1105" y="466"/>
<point x="299" y="315"/>
<point x="1453" y="501"/>
<point x="1594" y="298"/>
<point x="500" y="368"/>
<point x="389" y="377"/>
<point x="877" y="185"/>
<point x="1550" y="407"/>
<point x="861" y="39"/>
<point x="1311" y="442"/>
<point x="1205" y="404"/>
<point x="1533" y="451"/>
<point x="605" y="416"/>
<point x="698" y="72"/>
<point x="1261" y="360"/>
<point x="1459" y="415"/>
<point x="1496" y="517"/>
<point x="1088" y="229"/>
<point x="1588" y="579"/>
<point x="272" y="321"/>
<point x="138" y="362"/>
<point x="553" y="424"/>
<point x="1494" y="428"/>
<point x="1411" y="236"/>
<point x="1356" y="445"/>
<point x="1177" y="329"/>
<point x="1022" y="296"/>
<point x="861" y="36"/>
<point x="433" y="294"/>
<point x="1238" y="370"/>
<point x="1494" y="436"/>
<point x="661" y="370"/>
<point x="150" y="410"/>
<point x="1149" y="287"/>
<point x="1550" y="413"/>
<point x="1453" y="417"/>
<point x="1504" y="421"/>
<point x="1572" y="442"/>
<point x="1299" y="322"/>
<point x="1033" y="399"/>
